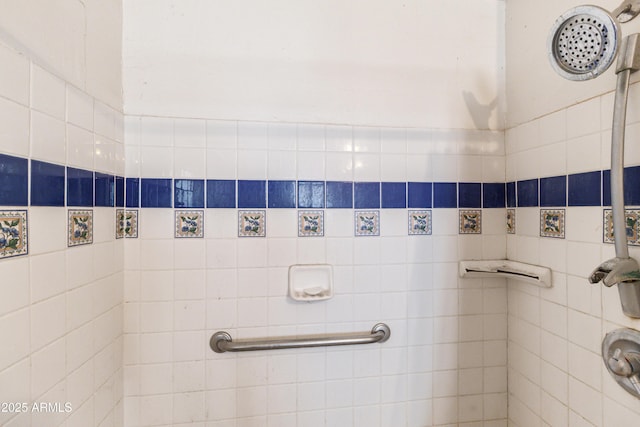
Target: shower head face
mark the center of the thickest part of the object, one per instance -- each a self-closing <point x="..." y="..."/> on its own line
<point x="583" y="42"/>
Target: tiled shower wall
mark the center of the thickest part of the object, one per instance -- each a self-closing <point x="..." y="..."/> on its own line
<point x="60" y="308"/>
<point x="556" y="373"/>
<point x="445" y="363"/>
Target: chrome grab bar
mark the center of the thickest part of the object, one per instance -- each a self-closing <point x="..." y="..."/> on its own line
<point x="221" y="341"/>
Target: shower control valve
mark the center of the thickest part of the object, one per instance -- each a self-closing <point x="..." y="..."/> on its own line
<point x="626" y="365"/>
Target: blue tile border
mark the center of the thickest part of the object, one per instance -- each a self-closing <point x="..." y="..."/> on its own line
<point x="156" y="193"/>
<point x="469" y="195"/>
<point x="281" y="194"/>
<point x="366" y="195"/>
<point x="221" y="193"/>
<point x="132" y="192"/>
<point x="420" y="195"/>
<point x="493" y="195"/>
<point x="56" y="185"/>
<point x="311" y="194"/>
<point x="104" y="189"/>
<point x="188" y="193"/>
<point x="584" y="189"/>
<point x="394" y="195"/>
<point x="339" y="194"/>
<point x="79" y="187"/>
<point x="252" y="194"/>
<point x="445" y="195"/>
<point x="14" y="181"/>
<point x="47" y="184"/>
<point x="553" y="191"/>
<point x="527" y="193"/>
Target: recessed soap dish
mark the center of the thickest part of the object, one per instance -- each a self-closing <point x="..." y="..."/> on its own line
<point x="310" y="282"/>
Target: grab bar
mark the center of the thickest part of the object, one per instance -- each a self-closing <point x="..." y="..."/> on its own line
<point x="221" y="341"/>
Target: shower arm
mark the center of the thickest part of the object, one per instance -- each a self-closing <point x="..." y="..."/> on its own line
<point x="628" y="10"/>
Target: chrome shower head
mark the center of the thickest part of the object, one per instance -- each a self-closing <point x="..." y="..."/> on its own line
<point x="583" y="42"/>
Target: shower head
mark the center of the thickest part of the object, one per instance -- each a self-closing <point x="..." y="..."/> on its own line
<point x="583" y="42"/>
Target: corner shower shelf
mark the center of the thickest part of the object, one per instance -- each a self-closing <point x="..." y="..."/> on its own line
<point x="533" y="274"/>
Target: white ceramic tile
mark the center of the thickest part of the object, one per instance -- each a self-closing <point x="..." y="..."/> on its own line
<point x="418" y="141"/>
<point x="310" y="165"/>
<point x="189" y="162"/>
<point x="79" y="108"/>
<point x="366" y="167"/>
<point x="104" y="158"/>
<point x="190" y="133"/>
<point x="80" y="148"/>
<point x="15" y="294"/>
<point x="583" y="153"/>
<point x="282" y="165"/>
<point x="14" y="122"/>
<point x="221" y="164"/>
<point x="338" y="138"/>
<point x="156" y="254"/>
<point x="493" y="168"/>
<point x="47" y="93"/>
<point x="393" y="140"/>
<point x="393" y="167"/>
<point x="419" y="168"/>
<point x="47" y="138"/>
<point x="585" y="401"/>
<point x="339" y="166"/>
<point x="47" y="229"/>
<point x="252" y="164"/>
<point x="282" y="136"/>
<point x="554" y="158"/>
<point x="367" y="139"/>
<point x="47" y="275"/>
<point x="553" y="127"/>
<point x="222" y="134"/>
<point x="252" y="136"/>
<point x="156" y="162"/>
<point x="445" y="168"/>
<point x="583" y="118"/>
<point x="47" y="367"/>
<point x="14" y="327"/>
<point x="15" y="69"/>
<point x="156" y="132"/>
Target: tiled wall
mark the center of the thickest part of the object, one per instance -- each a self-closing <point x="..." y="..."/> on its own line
<point x="446" y="360"/>
<point x="560" y="162"/>
<point x="60" y="301"/>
